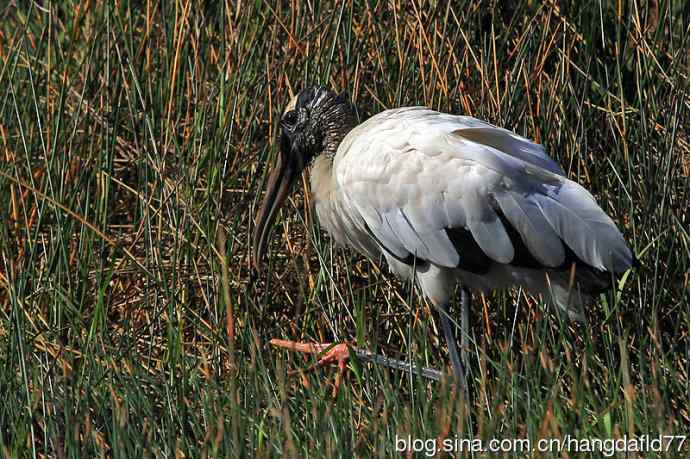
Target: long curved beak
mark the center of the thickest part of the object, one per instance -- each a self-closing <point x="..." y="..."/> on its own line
<point x="279" y="183"/>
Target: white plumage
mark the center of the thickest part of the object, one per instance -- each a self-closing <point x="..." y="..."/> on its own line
<point x="446" y="199"/>
<point x="407" y="175"/>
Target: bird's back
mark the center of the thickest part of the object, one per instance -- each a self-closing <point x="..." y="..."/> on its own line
<point x="403" y="123"/>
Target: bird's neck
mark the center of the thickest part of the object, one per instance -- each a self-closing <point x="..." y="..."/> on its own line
<point x="322" y="188"/>
<point x="334" y="133"/>
<point x="331" y="144"/>
<point x="322" y="179"/>
<point x="321" y="167"/>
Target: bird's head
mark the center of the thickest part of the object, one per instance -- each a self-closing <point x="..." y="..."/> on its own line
<point x="314" y="122"/>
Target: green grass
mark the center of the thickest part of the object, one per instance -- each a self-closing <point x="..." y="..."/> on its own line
<point x="134" y="138"/>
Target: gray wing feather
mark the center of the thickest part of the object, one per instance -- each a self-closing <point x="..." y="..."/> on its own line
<point x="512" y="144"/>
<point x="487" y="229"/>
<point x="420" y="240"/>
<point x="536" y="232"/>
<point x="492" y="239"/>
<point x="386" y="234"/>
<point x="574" y="215"/>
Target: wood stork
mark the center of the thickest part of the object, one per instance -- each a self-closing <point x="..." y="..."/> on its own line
<point x="445" y="199"/>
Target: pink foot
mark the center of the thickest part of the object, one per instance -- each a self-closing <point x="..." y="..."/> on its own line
<point x="331" y="353"/>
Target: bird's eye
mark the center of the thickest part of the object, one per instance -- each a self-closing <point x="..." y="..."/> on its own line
<point x="289" y="119"/>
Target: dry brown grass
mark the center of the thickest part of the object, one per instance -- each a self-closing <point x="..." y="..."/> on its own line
<point x="134" y="135"/>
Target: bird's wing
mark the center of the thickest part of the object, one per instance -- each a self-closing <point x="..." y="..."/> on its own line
<point x="412" y="174"/>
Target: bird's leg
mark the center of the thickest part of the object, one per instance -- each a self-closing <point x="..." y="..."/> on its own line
<point x="340" y="353"/>
<point x="458" y="367"/>
<point x="330" y="352"/>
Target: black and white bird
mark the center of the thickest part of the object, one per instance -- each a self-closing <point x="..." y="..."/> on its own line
<point x="445" y="199"/>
